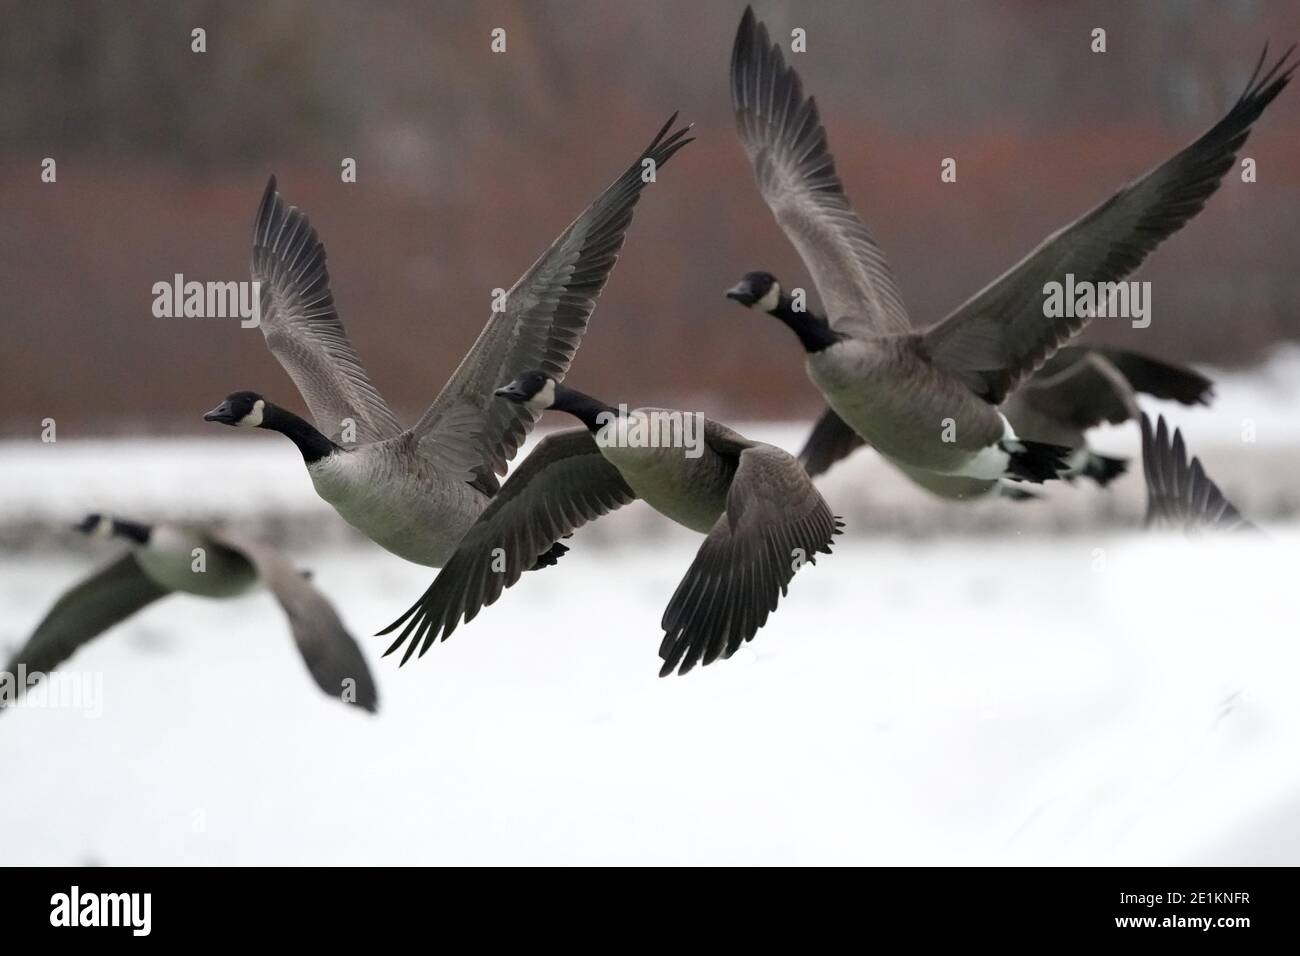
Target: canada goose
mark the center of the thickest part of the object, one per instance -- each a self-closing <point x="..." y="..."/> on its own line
<point x="202" y="560"/>
<point x="1180" y="494"/>
<point x="1078" y="388"/>
<point x="928" y="399"/>
<point x="415" y="491"/>
<point x="760" y="513"/>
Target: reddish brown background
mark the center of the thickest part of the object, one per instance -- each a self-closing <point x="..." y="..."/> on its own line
<point x="470" y="163"/>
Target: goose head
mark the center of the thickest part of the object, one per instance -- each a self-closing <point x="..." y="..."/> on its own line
<point x="757" y="290"/>
<point x="533" y="389"/>
<point x="95" y="525"/>
<point x="241" y="409"/>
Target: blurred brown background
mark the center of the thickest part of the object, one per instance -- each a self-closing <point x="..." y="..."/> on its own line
<point x="469" y="164"/>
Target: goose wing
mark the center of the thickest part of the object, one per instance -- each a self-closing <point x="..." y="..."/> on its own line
<point x="786" y="145"/>
<point x="329" y="651"/>
<point x="546" y="313"/>
<point x="561" y="486"/>
<point x="1157" y="378"/>
<point x="1077" y="387"/>
<point x="830" y="440"/>
<point x="775" y="521"/>
<point x="1001" y="335"/>
<point x="302" y="325"/>
<point x="108" y="597"/>
<point x="1179" y="492"/>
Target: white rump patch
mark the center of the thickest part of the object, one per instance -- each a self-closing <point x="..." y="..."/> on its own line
<point x="991" y="462"/>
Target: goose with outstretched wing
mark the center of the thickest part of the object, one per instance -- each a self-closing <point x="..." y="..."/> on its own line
<point x="416" y="491"/>
<point x="760" y="514"/>
<point x="927" y="398"/>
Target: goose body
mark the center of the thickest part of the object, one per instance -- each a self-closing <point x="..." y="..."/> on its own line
<point x="401" y="501"/>
<point x="205" y="561"/>
<point x="1079" y="388"/>
<point x="169" y="558"/>
<point x="760" y="514"/>
<point x="689" y="491"/>
<point x="892" y="383"/>
<point x="916" y="416"/>
<point x="415" y="491"/>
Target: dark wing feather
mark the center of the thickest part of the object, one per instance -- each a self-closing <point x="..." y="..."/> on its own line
<point x="830" y="440"/>
<point x="1083" y="386"/>
<point x="302" y="326"/>
<point x="774" y="522"/>
<point x="1001" y="335"/>
<point x="331" y="654"/>
<point x="1179" y="493"/>
<point x="786" y="145"/>
<point x="1159" y="379"/>
<point x="546" y="313"/>
<point x="107" y="597"/>
<point x="561" y="486"/>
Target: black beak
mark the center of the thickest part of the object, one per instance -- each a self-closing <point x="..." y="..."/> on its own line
<point x="743" y="293"/>
<point x="221" y="413"/>
<point x="511" y="391"/>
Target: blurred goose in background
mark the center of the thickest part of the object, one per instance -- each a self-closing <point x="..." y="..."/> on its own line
<point x="1180" y="495"/>
<point x="903" y="390"/>
<point x="416" y="491"/>
<point x="162" y="559"/>
<point x="760" y="514"/>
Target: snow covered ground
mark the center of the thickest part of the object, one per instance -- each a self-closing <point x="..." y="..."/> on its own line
<point x="1117" y="699"/>
<point x="1029" y="696"/>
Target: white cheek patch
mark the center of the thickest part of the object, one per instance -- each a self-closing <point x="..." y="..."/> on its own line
<point x="103" y="527"/>
<point x="770" y="298"/>
<point x="544" y="398"/>
<point x="253" y="418"/>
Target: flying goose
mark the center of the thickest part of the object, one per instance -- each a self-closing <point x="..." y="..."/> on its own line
<point x="1180" y="494"/>
<point x="1078" y="388"/>
<point x="760" y="514"/>
<point x="416" y="491"/>
<point x="165" y="558"/>
<point x="928" y="399"/>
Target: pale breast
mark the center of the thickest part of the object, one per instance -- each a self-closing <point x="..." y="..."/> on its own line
<point x="902" y="405"/>
<point x="417" y="513"/>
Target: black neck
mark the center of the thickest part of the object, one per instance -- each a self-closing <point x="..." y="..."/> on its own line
<point x="591" y="412"/>
<point x="139" y="533"/>
<point x="313" y="445"/>
<point x="814" y="332"/>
